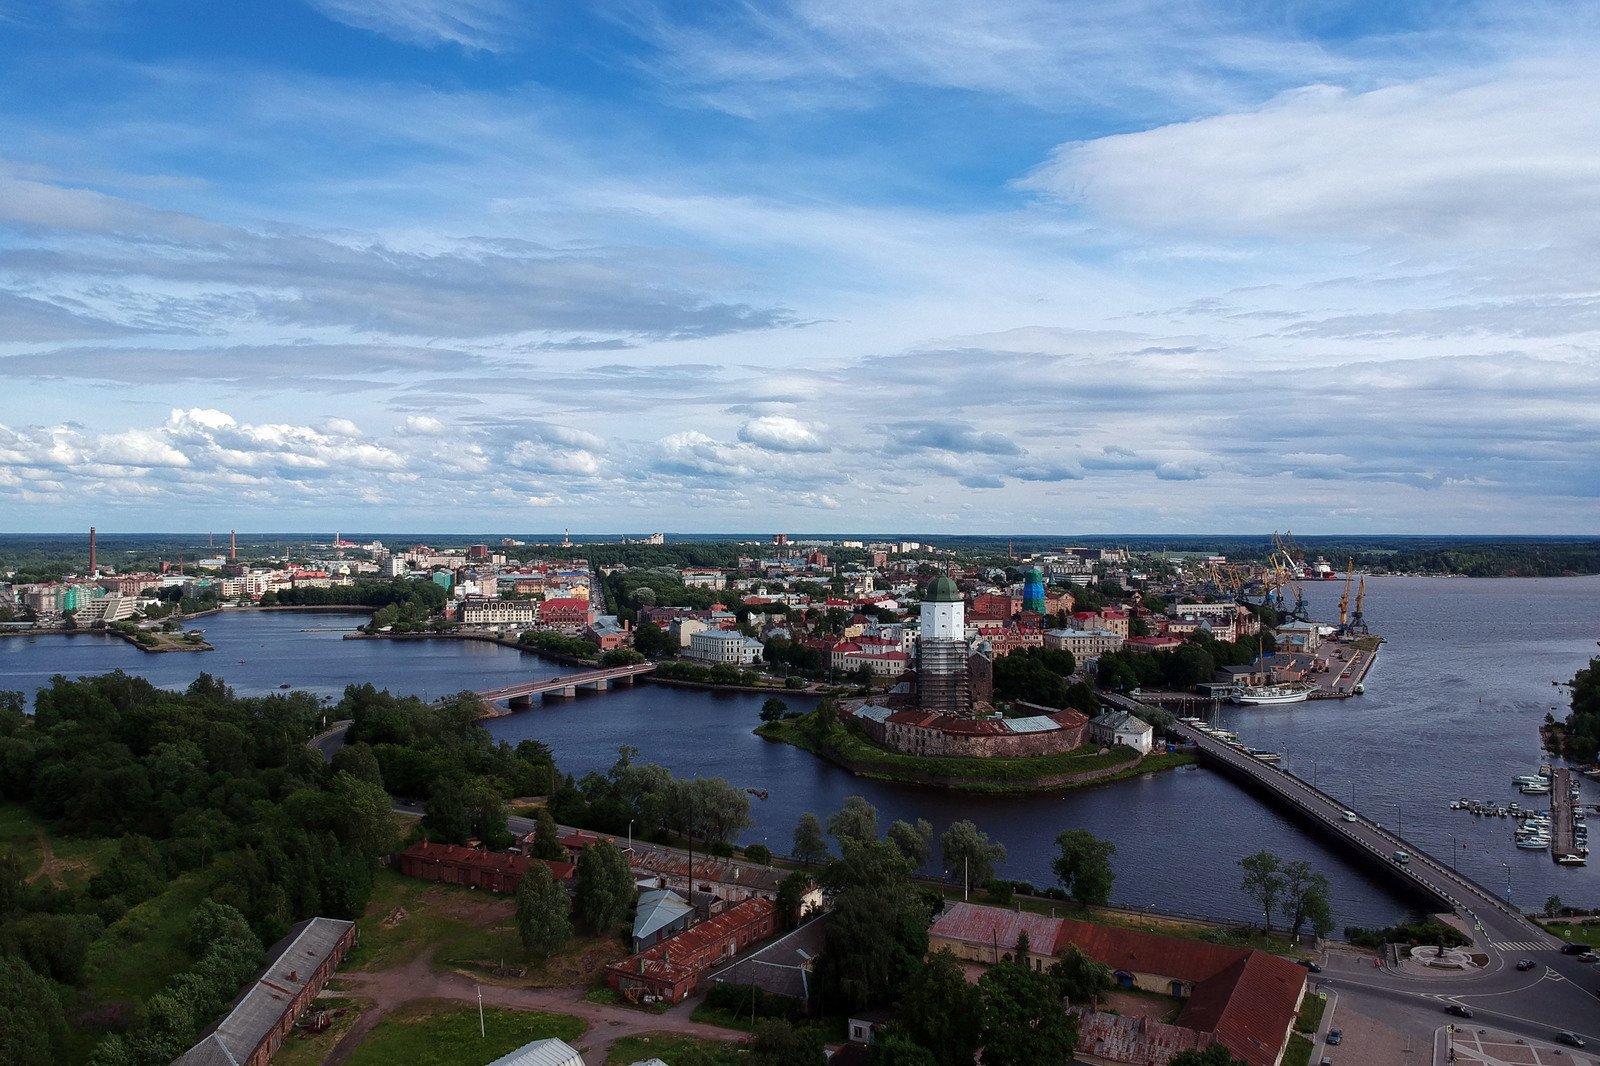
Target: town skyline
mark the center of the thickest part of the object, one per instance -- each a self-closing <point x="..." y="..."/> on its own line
<point x="455" y="263"/>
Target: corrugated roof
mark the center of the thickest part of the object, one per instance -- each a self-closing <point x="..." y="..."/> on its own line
<point x="991" y="925"/>
<point x="874" y="712"/>
<point x="658" y="908"/>
<point x="550" y="1052"/>
<point x="1134" y="1040"/>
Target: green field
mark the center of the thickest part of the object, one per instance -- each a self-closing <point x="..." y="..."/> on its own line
<point x="1299" y="1051"/>
<point x="440" y="1033"/>
<point x="1311" y="1009"/>
<point x="667" y="1047"/>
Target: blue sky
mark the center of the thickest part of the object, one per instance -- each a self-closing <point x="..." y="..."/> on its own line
<point x="828" y="264"/>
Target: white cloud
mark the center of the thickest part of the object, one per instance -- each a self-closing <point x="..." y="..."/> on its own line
<point x="780" y="433"/>
<point x="420" y="426"/>
<point x="476" y="24"/>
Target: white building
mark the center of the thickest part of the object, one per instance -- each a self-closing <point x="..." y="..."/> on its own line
<point x="1120" y="727"/>
<point x="724" y="646"/>
<point x="499" y="613"/>
<point x="1083" y="643"/>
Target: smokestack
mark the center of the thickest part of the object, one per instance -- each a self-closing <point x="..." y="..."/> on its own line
<point x="92" y="570"/>
<point x="233" y="546"/>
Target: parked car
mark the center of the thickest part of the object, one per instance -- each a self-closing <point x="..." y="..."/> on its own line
<point x="1458" y="1010"/>
<point x="1570" y="1039"/>
<point x="1525" y="964"/>
<point x="1335" y="1036"/>
<point x="1574" y="949"/>
<point x="1588" y="956"/>
<point x="1310" y="964"/>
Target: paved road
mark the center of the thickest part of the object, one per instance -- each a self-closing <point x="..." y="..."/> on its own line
<point x="330" y="741"/>
<point x="1501" y="924"/>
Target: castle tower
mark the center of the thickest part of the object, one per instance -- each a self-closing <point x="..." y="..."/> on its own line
<point x="942" y="679"/>
<point x="1033" y="591"/>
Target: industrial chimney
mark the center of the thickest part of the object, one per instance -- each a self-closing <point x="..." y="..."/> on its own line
<point x="92" y="570"/>
<point x="233" y="546"/>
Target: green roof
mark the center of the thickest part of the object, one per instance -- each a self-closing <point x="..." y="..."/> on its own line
<point x="1033" y="576"/>
<point x="943" y="590"/>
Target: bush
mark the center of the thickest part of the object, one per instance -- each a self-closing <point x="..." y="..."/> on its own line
<point x="759" y="853"/>
<point x="735" y="1000"/>
<point x="721" y="849"/>
<point x="1430" y="931"/>
<point x="1000" y="891"/>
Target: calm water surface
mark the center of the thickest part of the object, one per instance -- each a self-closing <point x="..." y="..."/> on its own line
<point x="1452" y="710"/>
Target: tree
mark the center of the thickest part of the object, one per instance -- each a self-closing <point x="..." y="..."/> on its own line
<point x="1552" y="906"/>
<point x="892" y="1047"/>
<point x="1080" y="978"/>
<point x="1024" y="1023"/>
<point x="1083" y="866"/>
<point x="792" y="898"/>
<point x="1215" y="1055"/>
<point x="942" y="1012"/>
<point x="605" y="885"/>
<point x="34" y="1025"/>
<point x="544" y="913"/>
<point x="773" y="709"/>
<point x="810" y="845"/>
<point x="857" y="821"/>
<point x="777" y="1043"/>
<point x="1263" y="883"/>
<point x="877" y="933"/>
<point x="968" y="853"/>
<point x="759" y="853"/>
<point x="1305" y="896"/>
<point x="915" y="842"/>
<point x="547" y="837"/>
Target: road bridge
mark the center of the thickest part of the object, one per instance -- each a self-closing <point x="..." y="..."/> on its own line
<point x="522" y="694"/>
<point x="1504" y="926"/>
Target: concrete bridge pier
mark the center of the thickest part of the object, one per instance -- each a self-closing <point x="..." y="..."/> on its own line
<point x="569" y="692"/>
<point x="520" y="703"/>
<point x="601" y="685"/>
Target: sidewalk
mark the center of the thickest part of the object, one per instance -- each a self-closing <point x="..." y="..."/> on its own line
<point x="1473" y="1045"/>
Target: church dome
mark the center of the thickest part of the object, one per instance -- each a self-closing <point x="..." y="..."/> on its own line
<point x="943" y="590"/>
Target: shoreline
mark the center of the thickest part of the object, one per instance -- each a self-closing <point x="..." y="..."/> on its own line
<point x="1039" y="780"/>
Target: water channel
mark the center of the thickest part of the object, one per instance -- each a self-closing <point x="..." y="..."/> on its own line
<point x="1451" y="710"/>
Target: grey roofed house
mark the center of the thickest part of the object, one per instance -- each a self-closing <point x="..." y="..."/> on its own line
<point x="662" y="912"/>
<point x="297" y="967"/>
<point x="550" y="1052"/>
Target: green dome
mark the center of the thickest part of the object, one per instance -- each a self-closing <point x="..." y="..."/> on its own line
<point x="943" y="590"/>
<point x="1033" y="576"/>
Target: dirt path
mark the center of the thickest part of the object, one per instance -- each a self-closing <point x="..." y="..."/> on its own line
<point x="49" y="867"/>
<point x="391" y="989"/>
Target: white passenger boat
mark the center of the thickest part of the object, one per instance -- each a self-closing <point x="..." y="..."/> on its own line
<point x="1267" y="695"/>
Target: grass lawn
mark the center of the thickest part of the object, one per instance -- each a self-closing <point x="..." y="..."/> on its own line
<point x="1585" y="932"/>
<point x="480" y="951"/>
<point x="307" y="1049"/>
<point x="442" y="1033"/>
<point x="1311" y="1009"/>
<point x="667" y="1047"/>
<point x="433" y="914"/>
<point x="142" y="951"/>
<point x="80" y="857"/>
<point x="1299" y="1051"/>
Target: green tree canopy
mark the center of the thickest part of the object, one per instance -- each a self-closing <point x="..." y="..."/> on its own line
<point x="943" y="1012"/>
<point x="810" y="844"/>
<point x="857" y="821"/>
<point x="544" y="913"/>
<point x="968" y="854"/>
<point x="1024" y="1023"/>
<point x="915" y="842"/>
<point x="1083" y="866"/>
<point x="605" y="885"/>
<point x="877" y="933"/>
<point x="1263" y="882"/>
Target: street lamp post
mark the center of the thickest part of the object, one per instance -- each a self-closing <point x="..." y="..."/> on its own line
<point x="1453" y="852"/>
<point x="1507" y="865"/>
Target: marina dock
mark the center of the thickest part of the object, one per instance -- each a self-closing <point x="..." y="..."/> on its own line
<point x="1563" y="813"/>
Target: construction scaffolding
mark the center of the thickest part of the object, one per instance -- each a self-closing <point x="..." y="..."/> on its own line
<point x="943" y="684"/>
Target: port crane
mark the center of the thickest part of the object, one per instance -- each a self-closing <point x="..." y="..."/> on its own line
<point x="1358" y="623"/>
<point x="1285" y="563"/>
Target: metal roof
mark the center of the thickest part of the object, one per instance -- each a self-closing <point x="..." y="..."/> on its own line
<point x="874" y="712"/>
<point x="658" y="908"/>
<point x="550" y="1052"/>
<point x="1037" y="724"/>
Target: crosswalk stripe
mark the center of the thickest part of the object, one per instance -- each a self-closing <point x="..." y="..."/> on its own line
<point x="1521" y="945"/>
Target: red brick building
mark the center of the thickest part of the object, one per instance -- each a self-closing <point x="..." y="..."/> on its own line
<point x="566" y="613"/>
<point x="456" y="865"/>
<point x="298" y="968"/>
<point x="671" y="969"/>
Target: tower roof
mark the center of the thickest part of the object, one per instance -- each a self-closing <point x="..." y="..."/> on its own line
<point x="1033" y="576"/>
<point x="943" y="590"/>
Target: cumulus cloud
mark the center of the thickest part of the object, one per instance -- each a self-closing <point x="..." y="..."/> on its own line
<point x="780" y="433"/>
<point x="952" y="436"/>
<point x="420" y="426"/>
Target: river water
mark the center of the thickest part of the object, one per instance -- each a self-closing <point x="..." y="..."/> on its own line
<point x="1451" y="710"/>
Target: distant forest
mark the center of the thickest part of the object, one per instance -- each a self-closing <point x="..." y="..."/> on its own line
<point x="40" y="557"/>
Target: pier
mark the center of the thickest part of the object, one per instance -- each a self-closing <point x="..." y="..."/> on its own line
<point x="522" y="694"/>
<point x="1563" y="835"/>
<point x="1499" y="922"/>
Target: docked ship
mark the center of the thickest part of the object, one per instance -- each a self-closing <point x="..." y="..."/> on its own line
<point x="1271" y="694"/>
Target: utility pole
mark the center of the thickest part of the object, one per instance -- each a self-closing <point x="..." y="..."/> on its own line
<point x="481" y="1033"/>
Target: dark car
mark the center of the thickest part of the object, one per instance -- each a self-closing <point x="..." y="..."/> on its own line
<point x="1525" y="964"/>
<point x="1458" y="1010"/>
<point x="1574" y="949"/>
<point x="1335" y="1035"/>
<point x="1310" y="965"/>
<point x="1570" y="1039"/>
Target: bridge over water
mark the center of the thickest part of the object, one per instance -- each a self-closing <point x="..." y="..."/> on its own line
<point x="523" y="693"/>
<point x="1505" y="926"/>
